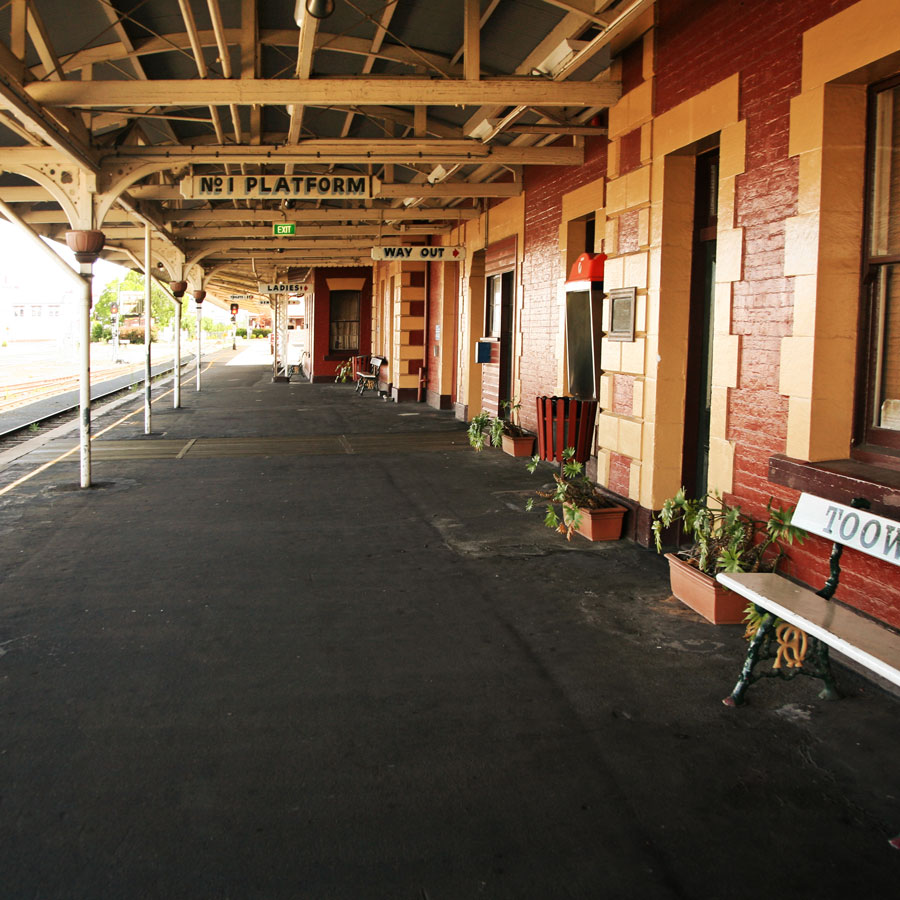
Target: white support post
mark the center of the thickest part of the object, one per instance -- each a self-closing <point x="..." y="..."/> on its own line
<point x="83" y="277"/>
<point x="199" y="333"/>
<point x="176" y="393"/>
<point x="274" y="307"/>
<point x="147" y="320"/>
<point x="84" y="380"/>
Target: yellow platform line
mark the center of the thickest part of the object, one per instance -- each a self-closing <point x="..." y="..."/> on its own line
<point x="68" y="453"/>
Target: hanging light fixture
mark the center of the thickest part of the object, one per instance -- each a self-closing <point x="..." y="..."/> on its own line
<point x="318" y="9"/>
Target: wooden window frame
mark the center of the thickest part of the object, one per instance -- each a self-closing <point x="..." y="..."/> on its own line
<point x="872" y="443"/>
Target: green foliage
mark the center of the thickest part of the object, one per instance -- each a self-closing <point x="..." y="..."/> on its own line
<point x="161" y="306"/>
<point x="725" y="538"/>
<point x="97" y="331"/>
<point x="479" y="429"/>
<point x="497" y="431"/>
<point x="505" y="423"/>
<point x="261" y="332"/>
<point x="344" y="372"/>
<point x="134" y="334"/>
<point x="574" y="492"/>
<point x="240" y="332"/>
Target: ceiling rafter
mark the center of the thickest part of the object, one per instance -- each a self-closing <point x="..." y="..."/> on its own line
<point x="386" y="15"/>
<point x="190" y="23"/>
<point x="306" y="45"/>
<point x="287" y="38"/>
<point x="118" y="28"/>
<point x="235" y="235"/>
<point x="323" y="91"/>
<point x="215" y="15"/>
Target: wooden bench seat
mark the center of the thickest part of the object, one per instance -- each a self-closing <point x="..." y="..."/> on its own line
<point x="813" y="622"/>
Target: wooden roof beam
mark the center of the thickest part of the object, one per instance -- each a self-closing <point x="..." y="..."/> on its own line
<point x="380" y="32"/>
<point x="215" y="15"/>
<point x="190" y="23"/>
<point x="324" y="92"/>
<point x="472" y="39"/>
<point x="370" y="214"/>
<point x="46" y="126"/>
<point x="114" y="51"/>
<point x="306" y="47"/>
<point x="37" y="31"/>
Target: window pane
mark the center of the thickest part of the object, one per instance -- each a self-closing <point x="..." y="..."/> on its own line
<point x="885" y="187"/>
<point x="344" y="320"/>
<point x="886" y="310"/>
<point x="493" y="309"/>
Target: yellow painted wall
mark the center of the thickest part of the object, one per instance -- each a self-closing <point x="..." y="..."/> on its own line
<point x="822" y="242"/>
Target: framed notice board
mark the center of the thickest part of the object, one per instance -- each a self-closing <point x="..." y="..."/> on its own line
<point x="622" y="302"/>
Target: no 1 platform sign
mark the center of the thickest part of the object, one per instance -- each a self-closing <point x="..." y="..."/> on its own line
<point x="420" y="254"/>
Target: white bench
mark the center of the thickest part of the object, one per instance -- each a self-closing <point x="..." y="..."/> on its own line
<point x="369" y="380"/>
<point x="810" y="621"/>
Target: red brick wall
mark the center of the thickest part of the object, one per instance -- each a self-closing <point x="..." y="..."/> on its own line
<point x="698" y="44"/>
<point x="542" y="275"/>
<point x="325" y="364"/>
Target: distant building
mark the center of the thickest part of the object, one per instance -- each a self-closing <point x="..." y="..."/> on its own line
<point x="29" y="312"/>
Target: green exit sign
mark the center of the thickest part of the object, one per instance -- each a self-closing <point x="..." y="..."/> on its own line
<point x="282" y="228"/>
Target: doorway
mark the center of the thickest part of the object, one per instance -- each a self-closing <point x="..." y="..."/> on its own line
<point x="698" y="388"/>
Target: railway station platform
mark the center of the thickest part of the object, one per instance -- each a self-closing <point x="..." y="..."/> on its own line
<point x="299" y="643"/>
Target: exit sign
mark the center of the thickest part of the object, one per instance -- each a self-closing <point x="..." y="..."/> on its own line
<point x="282" y="228"/>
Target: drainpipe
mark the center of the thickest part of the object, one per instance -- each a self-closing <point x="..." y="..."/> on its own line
<point x="87" y="246"/>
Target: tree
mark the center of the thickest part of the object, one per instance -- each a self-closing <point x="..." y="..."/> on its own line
<point x="161" y="306"/>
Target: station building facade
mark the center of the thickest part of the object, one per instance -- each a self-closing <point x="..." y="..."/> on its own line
<point x="748" y="192"/>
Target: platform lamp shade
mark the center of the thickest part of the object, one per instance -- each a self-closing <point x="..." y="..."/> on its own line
<point x="318" y="9"/>
<point x="178" y="288"/>
<point x="199" y="296"/>
<point x="86" y="245"/>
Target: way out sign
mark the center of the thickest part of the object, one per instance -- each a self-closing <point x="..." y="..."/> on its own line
<point x="420" y="254"/>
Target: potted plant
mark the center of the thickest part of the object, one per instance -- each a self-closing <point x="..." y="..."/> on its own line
<point x="725" y="539"/>
<point x="582" y="507"/>
<point x="479" y="430"/>
<point x="504" y="431"/>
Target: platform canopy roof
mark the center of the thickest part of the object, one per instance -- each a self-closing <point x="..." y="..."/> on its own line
<point x="215" y="120"/>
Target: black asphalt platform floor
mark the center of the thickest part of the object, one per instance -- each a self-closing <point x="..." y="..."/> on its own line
<point x="312" y="646"/>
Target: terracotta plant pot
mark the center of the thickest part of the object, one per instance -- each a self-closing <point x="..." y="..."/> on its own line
<point x="522" y="445"/>
<point x="603" y="524"/>
<point x="704" y="594"/>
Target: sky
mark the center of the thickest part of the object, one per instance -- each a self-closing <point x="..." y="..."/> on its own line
<point x="21" y="262"/>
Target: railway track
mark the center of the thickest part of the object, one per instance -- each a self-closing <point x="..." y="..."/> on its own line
<point x="15" y="395"/>
<point x="33" y="426"/>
